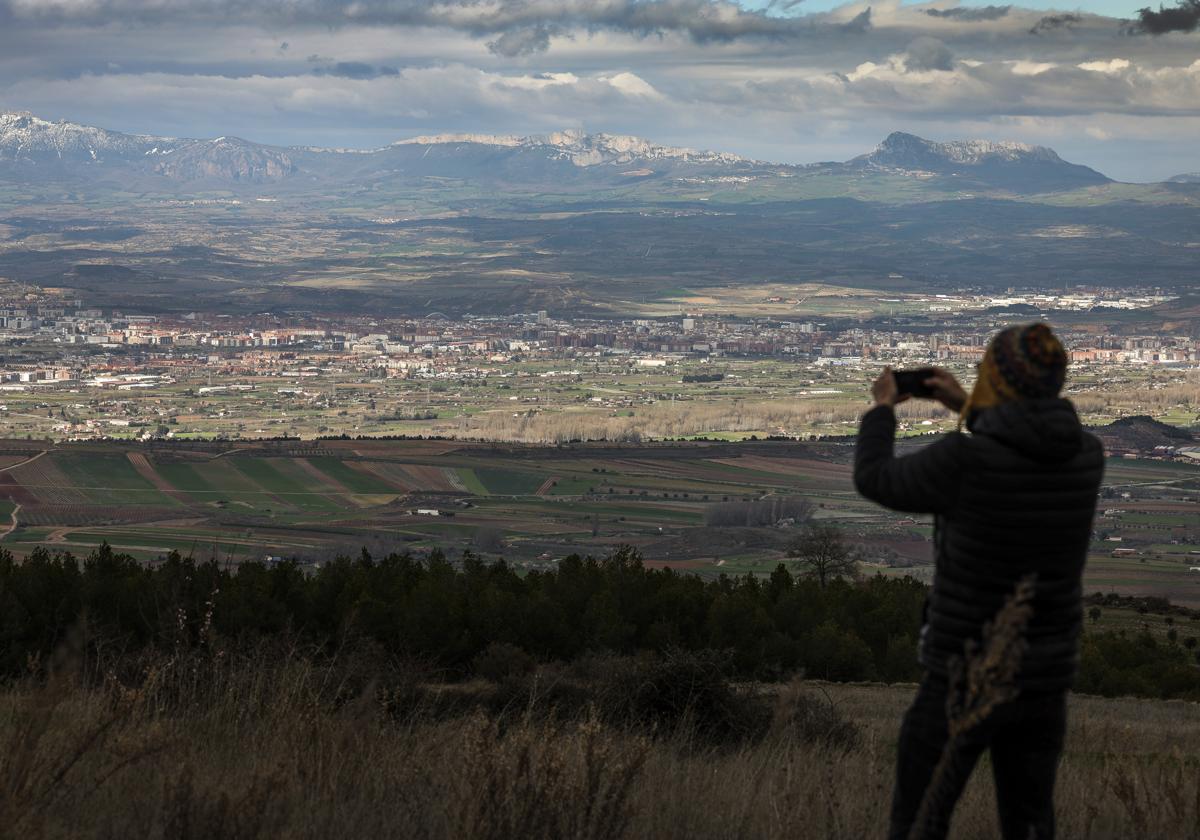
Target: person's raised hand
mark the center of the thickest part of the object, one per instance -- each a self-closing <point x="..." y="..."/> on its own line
<point x="946" y="389"/>
<point x="884" y="389"/>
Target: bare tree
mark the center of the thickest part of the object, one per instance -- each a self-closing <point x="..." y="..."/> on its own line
<point x="822" y="553"/>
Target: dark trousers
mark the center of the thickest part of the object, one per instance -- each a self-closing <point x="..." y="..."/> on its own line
<point x="1025" y="737"/>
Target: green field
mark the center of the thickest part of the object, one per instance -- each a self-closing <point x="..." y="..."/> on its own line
<point x="508" y="482"/>
<point x="109" y="478"/>
<point x="216" y="482"/>
<point x="354" y="480"/>
<point x="284" y="480"/>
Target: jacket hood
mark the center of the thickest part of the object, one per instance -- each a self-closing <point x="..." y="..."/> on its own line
<point x="1048" y="429"/>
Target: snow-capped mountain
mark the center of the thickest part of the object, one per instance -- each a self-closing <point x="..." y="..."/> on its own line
<point x="26" y="137"/>
<point x="35" y="148"/>
<point x="583" y="149"/>
<point x="71" y="149"/>
<point x="1186" y="178"/>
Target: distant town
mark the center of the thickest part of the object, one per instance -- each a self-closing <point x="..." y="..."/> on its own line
<point x="204" y="374"/>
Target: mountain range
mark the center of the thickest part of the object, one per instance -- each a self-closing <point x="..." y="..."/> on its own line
<point x="32" y="148"/>
<point x="568" y="221"/>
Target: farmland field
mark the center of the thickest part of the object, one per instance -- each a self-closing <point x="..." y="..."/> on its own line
<point x="109" y="478"/>
<point x="537" y="503"/>
<point x="283" y="479"/>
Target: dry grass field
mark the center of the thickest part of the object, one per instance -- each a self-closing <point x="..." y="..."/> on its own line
<point x="292" y="750"/>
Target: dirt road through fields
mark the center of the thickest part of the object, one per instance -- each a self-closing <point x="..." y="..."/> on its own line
<point x="12" y="526"/>
<point x="26" y="461"/>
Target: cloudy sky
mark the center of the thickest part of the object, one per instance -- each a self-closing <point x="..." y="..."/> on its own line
<point x="777" y="80"/>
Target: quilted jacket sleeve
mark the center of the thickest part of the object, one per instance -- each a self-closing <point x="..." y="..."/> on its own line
<point x="924" y="482"/>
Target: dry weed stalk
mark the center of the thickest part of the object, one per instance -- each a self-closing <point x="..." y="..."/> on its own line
<point x="984" y="678"/>
<point x="542" y="782"/>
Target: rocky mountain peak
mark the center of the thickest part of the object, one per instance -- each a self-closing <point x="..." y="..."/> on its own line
<point x="581" y="148"/>
<point x="1009" y="165"/>
<point x="900" y="148"/>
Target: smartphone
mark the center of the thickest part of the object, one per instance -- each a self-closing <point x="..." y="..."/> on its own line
<point x="913" y="381"/>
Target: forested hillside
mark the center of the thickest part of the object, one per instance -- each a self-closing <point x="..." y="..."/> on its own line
<point x="463" y="617"/>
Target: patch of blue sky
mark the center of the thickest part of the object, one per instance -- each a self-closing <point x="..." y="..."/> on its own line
<point x="1112" y="8"/>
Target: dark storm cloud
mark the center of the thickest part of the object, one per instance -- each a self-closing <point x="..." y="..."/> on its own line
<point x="859" y="24"/>
<point x="1052" y="22"/>
<point x="971" y="15"/>
<point x="518" y="42"/>
<point x="1182" y="18"/>
<point x="529" y="22"/>
<point x="927" y="53"/>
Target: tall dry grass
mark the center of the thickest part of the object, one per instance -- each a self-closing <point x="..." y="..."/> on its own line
<point x="282" y="747"/>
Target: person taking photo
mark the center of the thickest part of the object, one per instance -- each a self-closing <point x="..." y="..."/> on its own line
<point x="1012" y="495"/>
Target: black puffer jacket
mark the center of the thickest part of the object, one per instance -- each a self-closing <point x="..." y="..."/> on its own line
<point x="1017" y="495"/>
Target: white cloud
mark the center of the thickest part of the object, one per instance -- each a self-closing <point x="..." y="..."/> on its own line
<point x="862" y="71"/>
<point x="534" y="82"/>
<point x="1113" y="65"/>
<point x="633" y="85"/>
<point x="1031" y="68"/>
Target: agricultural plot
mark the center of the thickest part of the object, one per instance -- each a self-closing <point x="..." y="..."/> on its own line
<point x="466" y="478"/>
<point x="433" y="479"/>
<point x="42" y="478"/>
<point x="13" y="491"/>
<point x="217" y="483"/>
<point x="389" y="472"/>
<point x="1144" y="575"/>
<point x="280" y="478"/>
<point x="109" y="478"/>
<point x="331" y="488"/>
<point x="197" y="542"/>
<point x="355" y="480"/>
<point x="799" y="472"/>
<point x="509" y="482"/>
<point x="543" y="503"/>
<point x="567" y="486"/>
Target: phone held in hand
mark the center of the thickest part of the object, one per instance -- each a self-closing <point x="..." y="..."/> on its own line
<point x="913" y="381"/>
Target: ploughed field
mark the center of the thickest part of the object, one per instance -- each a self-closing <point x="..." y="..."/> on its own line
<point x="530" y="504"/>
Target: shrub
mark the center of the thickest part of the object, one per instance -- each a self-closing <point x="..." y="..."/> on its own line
<point x="678" y="692"/>
<point x="500" y="661"/>
<point x="802" y="713"/>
